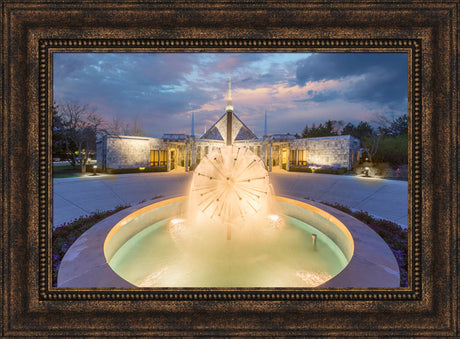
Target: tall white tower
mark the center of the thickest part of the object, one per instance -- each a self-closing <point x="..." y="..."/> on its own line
<point x="229" y="110"/>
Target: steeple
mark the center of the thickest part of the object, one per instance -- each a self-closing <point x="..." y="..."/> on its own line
<point x="229" y="111"/>
<point x="193" y="124"/>
<point x="265" y="125"/>
<point x="229" y="94"/>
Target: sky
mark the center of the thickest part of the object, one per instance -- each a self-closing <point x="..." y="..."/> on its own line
<point x="160" y="91"/>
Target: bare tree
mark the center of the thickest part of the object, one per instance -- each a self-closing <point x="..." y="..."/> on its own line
<point x="118" y="127"/>
<point x="373" y="143"/>
<point x="137" y="130"/>
<point x="80" y="127"/>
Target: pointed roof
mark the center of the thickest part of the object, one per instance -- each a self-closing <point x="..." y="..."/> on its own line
<point x="239" y="131"/>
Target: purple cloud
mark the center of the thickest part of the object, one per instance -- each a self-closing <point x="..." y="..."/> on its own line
<point x="161" y="90"/>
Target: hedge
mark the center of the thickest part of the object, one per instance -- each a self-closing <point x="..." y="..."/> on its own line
<point x="136" y="170"/>
<point x="339" y="171"/>
<point x="300" y="169"/>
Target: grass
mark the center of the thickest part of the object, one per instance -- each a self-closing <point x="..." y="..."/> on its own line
<point x="65" y="171"/>
<point x="393" y="234"/>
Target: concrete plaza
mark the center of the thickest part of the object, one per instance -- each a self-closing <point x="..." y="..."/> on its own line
<point x="79" y="196"/>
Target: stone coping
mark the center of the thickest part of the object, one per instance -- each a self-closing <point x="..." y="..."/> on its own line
<point x="372" y="264"/>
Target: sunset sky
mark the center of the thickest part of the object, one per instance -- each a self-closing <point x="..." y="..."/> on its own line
<point x="161" y="90"/>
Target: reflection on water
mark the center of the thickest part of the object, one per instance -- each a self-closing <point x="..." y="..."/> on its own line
<point x="159" y="257"/>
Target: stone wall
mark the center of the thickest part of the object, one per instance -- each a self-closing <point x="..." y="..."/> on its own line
<point x="127" y="151"/>
<point x="334" y="151"/>
<point x="330" y="151"/>
<point x="132" y="152"/>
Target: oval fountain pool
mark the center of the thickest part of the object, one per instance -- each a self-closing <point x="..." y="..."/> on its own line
<point x="149" y="248"/>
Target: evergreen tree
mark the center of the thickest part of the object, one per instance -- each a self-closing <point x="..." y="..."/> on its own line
<point x="305" y="131"/>
<point x="349" y="129"/>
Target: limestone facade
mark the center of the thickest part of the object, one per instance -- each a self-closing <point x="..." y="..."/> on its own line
<point x="127" y="151"/>
<point x="185" y="151"/>
<point x="334" y="151"/>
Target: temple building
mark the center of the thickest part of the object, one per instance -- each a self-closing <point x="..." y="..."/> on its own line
<point x="181" y="150"/>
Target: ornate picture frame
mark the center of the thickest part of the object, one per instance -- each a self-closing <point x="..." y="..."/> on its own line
<point x="32" y="32"/>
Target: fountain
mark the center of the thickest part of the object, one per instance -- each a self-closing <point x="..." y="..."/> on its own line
<point x="231" y="187"/>
<point x="231" y="231"/>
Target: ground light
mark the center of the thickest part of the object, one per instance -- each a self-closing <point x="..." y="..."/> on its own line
<point x="366" y="171"/>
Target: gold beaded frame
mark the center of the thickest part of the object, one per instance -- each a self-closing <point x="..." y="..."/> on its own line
<point x="411" y="47"/>
<point x="33" y="32"/>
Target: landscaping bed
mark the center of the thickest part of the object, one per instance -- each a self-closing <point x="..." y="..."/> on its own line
<point x="66" y="234"/>
<point x="393" y="234"/>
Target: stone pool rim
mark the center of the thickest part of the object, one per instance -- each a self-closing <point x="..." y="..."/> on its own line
<point x="371" y="265"/>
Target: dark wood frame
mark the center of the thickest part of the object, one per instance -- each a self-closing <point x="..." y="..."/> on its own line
<point x="427" y="31"/>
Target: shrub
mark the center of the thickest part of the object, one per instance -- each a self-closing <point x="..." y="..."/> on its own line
<point x="90" y="168"/>
<point x="300" y="169"/>
<point x="136" y="170"/>
<point x="393" y="150"/>
<point x="375" y="169"/>
<point x="340" y="171"/>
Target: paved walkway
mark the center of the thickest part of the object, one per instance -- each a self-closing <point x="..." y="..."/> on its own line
<point x="386" y="199"/>
<point x="78" y="196"/>
<point x="75" y="197"/>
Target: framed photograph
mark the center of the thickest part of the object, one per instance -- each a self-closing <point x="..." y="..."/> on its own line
<point x="262" y="169"/>
<point x="238" y="179"/>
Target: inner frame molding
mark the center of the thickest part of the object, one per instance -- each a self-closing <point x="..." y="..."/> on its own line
<point x="412" y="47"/>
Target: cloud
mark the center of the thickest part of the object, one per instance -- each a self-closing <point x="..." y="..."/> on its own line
<point x="378" y="77"/>
<point x="161" y="90"/>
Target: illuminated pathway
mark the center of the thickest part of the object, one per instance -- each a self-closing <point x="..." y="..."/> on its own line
<point x="74" y="197"/>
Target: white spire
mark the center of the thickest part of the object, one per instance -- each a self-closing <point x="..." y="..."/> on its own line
<point x="193" y="124"/>
<point x="265" y="125"/>
<point x="229" y="94"/>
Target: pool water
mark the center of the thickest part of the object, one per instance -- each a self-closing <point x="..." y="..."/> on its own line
<point x="285" y="257"/>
